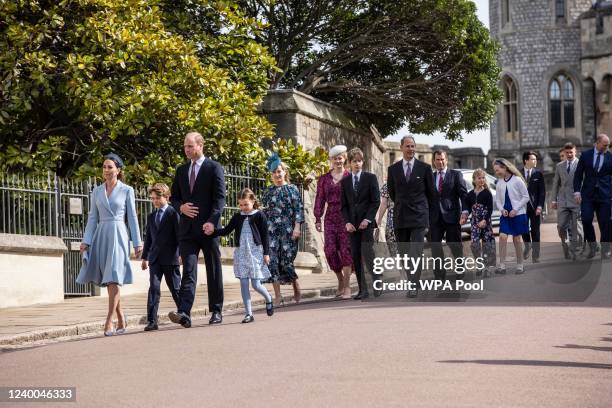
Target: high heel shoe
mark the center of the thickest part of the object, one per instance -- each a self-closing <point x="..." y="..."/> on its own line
<point x="109" y="333"/>
<point x="123" y="329"/>
<point x="269" y="308"/>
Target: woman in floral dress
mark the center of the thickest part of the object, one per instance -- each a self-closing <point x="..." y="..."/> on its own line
<point x="285" y="212"/>
<point x="337" y="246"/>
<point x="386" y="205"/>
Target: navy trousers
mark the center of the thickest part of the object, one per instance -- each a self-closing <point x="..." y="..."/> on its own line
<point x="172" y="274"/>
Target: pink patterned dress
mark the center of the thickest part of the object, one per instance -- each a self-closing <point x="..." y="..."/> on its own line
<point x="337" y="245"/>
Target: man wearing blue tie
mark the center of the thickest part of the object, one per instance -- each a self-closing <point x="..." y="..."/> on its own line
<point x="593" y="191"/>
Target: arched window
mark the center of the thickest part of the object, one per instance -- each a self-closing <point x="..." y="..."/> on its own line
<point x="562" y="101"/>
<point x="511" y="122"/>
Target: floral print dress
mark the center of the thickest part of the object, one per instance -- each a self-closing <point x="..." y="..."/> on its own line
<point x="283" y="207"/>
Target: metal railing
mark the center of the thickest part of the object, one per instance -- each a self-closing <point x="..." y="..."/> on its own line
<point x="53" y="206"/>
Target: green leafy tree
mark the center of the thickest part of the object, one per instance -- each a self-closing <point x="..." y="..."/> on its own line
<point x="79" y="78"/>
<point x="430" y="64"/>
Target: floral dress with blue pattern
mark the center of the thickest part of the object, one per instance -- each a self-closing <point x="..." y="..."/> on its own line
<point x="283" y="207"/>
<point x="249" y="257"/>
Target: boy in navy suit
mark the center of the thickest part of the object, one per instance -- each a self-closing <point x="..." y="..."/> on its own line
<point x="160" y="253"/>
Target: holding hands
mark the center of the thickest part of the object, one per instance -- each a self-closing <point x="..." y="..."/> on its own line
<point x="208" y="228"/>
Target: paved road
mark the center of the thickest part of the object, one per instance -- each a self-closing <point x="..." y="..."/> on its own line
<point x="342" y="354"/>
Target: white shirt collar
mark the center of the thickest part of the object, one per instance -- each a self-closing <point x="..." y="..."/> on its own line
<point x="253" y="211"/>
<point x="199" y="161"/>
<point x="164" y="208"/>
<point x="358" y="174"/>
<point x="444" y="170"/>
<point x="405" y="163"/>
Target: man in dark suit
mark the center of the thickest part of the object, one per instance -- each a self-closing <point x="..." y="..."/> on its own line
<point x="198" y="194"/>
<point x="537" y="194"/>
<point x="160" y="253"/>
<point x="411" y="188"/>
<point x="593" y="191"/>
<point x="450" y="212"/>
<point x="360" y="201"/>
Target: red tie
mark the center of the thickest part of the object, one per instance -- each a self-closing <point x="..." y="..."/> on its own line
<point x="192" y="177"/>
<point x="440" y="181"/>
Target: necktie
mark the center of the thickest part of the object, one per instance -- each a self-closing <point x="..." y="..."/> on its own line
<point x="356" y="183"/>
<point x="528" y="175"/>
<point x="596" y="167"/>
<point x="440" y="181"/>
<point x="408" y="172"/>
<point x="158" y="217"/>
<point x="569" y="166"/>
<point x="192" y="177"/>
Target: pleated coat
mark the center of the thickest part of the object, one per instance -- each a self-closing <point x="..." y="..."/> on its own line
<point x="106" y="233"/>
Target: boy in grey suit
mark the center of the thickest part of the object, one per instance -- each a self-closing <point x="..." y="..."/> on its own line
<point x="568" y="211"/>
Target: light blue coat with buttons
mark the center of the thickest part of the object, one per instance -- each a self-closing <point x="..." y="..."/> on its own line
<point x="108" y="257"/>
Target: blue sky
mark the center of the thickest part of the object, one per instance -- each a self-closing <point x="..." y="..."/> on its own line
<point x="479" y="138"/>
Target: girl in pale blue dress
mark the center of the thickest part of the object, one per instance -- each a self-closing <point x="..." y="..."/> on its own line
<point x="252" y="251"/>
<point x="105" y="246"/>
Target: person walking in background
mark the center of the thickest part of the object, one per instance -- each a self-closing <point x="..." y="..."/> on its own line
<point x="105" y="246"/>
<point x="511" y="199"/>
<point x="251" y="250"/>
<point x="198" y="194"/>
<point x="479" y="203"/>
<point x="360" y="202"/>
<point x="160" y="253"/>
<point x="593" y="192"/>
<point x="568" y="211"/>
<point x="328" y="201"/>
<point x="386" y="206"/>
<point x="450" y="212"/>
<point x="411" y="188"/>
<point x="537" y="195"/>
<point x="285" y="212"/>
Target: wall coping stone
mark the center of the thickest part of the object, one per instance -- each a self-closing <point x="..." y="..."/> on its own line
<point x="32" y="244"/>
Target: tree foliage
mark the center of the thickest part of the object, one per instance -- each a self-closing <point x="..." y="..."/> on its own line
<point x="430" y="64"/>
<point x="80" y="78"/>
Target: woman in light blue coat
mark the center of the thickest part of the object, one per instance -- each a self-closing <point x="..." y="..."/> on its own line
<point x="106" y="239"/>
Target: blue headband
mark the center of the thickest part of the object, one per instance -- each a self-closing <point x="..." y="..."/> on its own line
<point x="273" y="162"/>
<point x="115" y="158"/>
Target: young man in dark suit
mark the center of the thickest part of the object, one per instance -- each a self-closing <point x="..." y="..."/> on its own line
<point x="160" y="253"/>
<point x="450" y="212"/>
<point x="411" y="188"/>
<point x="537" y="194"/>
<point x="593" y="192"/>
<point x="360" y="201"/>
<point x="198" y="194"/>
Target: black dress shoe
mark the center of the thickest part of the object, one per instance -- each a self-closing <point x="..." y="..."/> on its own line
<point x="535" y="259"/>
<point x="269" y="308"/>
<point x="151" y="326"/>
<point x="216" y="318"/>
<point x="365" y="295"/>
<point x="357" y="296"/>
<point x="412" y="293"/>
<point x="248" y="319"/>
<point x="180" y="318"/>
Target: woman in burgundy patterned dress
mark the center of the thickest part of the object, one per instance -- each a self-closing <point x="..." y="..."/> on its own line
<point x="337" y="245"/>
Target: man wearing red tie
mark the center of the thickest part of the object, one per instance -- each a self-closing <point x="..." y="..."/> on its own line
<point x="450" y="211"/>
<point x="198" y="194"/>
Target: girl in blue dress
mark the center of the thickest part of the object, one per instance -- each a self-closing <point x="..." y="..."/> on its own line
<point x="511" y="199"/>
<point x="252" y="251"/>
<point x="105" y="246"/>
